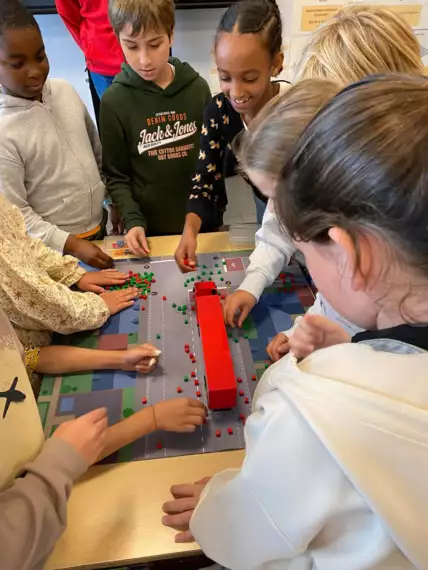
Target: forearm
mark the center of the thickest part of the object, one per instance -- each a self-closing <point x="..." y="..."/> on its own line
<point x="125" y="432"/>
<point x="65" y="359"/>
<point x="192" y="224"/>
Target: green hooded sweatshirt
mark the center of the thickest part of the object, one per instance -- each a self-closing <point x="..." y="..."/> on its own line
<point x="150" y="139"/>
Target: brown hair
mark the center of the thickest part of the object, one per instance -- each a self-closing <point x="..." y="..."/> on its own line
<point x="360" y="40"/>
<point x="142" y="15"/>
<point x="361" y="165"/>
<point x="280" y="123"/>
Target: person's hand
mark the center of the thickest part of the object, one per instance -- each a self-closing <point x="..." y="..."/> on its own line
<point x="116" y="301"/>
<point x="180" y="510"/>
<point x="94" y="281"/>
<point x="136" y="241"/>
<point x="185" y="254"/>
<point x="87" y="434"/>
<point x="116" y="221"/>
<point x="181" y="415"/>
<point x="315" y="332"/>
<point x="142" y="358"/>
<point x="87" y="252"/>
<point x="277" y="347"/>
<point x="239" y="304"/>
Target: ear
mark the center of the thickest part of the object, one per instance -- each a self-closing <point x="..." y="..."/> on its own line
<point x="357" y="267"/>
<point x="277" y="64"/>
<point x="171" y="39"/>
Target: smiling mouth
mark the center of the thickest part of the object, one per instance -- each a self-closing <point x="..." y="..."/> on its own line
<point x="241" y="101"/>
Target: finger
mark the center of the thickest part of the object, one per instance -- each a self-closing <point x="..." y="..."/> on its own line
<point x="184" y="499"/>
<point x="124" y="305"/>
<point x="177" y="521"/>
<point x="144" y="244"/>
<point x="270" y="351"/>
<point x="300" y="349"/>
<point x="183" y="537"/>
<point x="229" y="314"/>
<point x="244" y="314"/>
<point x="103" y="256"/>
<point x="132" y="244"/>
<point x="95" y="415"/>
<point x="196" y="420"/>
<point x="96" y="289"/>
<point x="128" y="293"/>
<point x="197" y="404"/>
<point x="283" y="348"/>
<point x="143" y="369"/>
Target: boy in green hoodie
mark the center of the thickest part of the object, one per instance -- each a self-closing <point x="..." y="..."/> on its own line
<point x="151" y="119"/>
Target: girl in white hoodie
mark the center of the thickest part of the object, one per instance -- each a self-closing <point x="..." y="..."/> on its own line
<point x="337" y="444"/>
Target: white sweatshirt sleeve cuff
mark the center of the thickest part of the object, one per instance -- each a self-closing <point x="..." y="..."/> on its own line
<point x="255" y="283"/>
<point x="57" y="239"/>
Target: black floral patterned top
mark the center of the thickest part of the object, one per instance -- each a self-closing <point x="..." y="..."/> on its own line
<point x="207" y="197"/>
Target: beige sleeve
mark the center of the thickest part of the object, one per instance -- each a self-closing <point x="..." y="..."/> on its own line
<point x="33" y="510"/>
<point x="61" y="268"/>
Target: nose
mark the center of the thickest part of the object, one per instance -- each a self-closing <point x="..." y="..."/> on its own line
<point x="237" y="90"/>
<point x="35" y="73"/>
<point x="145" y="60"/>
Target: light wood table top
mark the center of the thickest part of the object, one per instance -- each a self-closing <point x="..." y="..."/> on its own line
<point x="114" y="514"/>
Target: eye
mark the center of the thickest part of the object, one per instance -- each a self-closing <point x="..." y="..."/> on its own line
<point x="130" y="48"/>
<point x="224" y="79"/>
<point x="154" y="46"/>
<point x="41" y="57"/>
<point x="251" y="80"/>
<point x="16" y="65"/>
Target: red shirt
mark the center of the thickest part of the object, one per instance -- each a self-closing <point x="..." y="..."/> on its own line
<point x="88" y="23"/>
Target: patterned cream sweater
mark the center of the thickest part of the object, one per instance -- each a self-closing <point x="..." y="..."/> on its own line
<point x="35" y="286"/>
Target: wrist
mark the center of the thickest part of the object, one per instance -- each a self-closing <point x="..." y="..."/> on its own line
<point x="154" y="419"/>
<point x="70" y="244"/>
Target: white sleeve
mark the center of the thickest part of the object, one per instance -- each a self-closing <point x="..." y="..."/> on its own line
<point x="12" y="186"/>
<point x="318" y="308"/>
<point x="273" y="251"/>
<point x="272" y="508"/>
<point x="94" y="137"/>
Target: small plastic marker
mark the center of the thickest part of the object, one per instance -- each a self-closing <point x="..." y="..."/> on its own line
<point x="174" y="305"/>
<point x="193" y="374"/>
<point x="239" y="380"/>
<point x="218" y="433"/>
<point x="164" y="298"/>
<point x="179" y="390"/>
<point x="198" y="394"/>
<point x="254" y="378"/>
<point x="158" y="336"/>
<point x="230" y="431"/>
<point x="159" y="445"/>
<point x="196" y="382"/>
<point x="186" y="378"/>
<point x="191" y="355"/>
<point x="241" y="417"/>
<point x="246" y="401"/>
<point x="241" y="393"/>
<point x="144" y="401"/>
<point x="186" y="346"/>
<point x="143" y="308"/>
<point x="186" y="262"/>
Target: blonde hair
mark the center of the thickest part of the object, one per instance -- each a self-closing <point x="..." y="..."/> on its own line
<point x="278" y="126"/>
<point x="142" y="15"/>
<point x="361" y="40"/>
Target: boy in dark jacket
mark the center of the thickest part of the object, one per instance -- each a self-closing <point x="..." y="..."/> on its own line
<point x="151" y="120"/>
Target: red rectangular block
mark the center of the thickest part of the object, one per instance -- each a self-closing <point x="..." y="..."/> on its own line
<point x="220" y="377"/>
